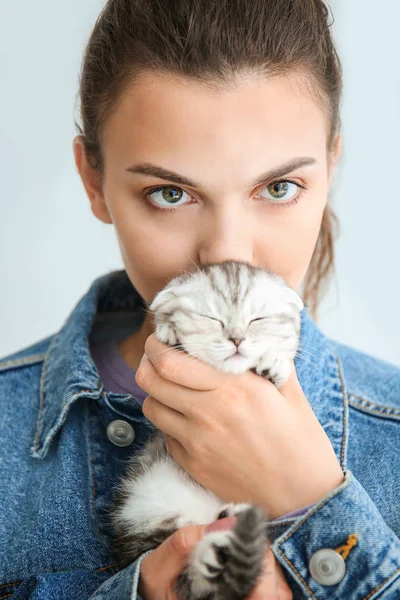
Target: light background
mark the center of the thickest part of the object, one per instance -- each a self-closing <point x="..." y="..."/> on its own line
<point x="52" y="247"/>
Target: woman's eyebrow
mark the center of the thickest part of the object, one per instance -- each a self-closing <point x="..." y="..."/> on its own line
<point x="275" y="173"/>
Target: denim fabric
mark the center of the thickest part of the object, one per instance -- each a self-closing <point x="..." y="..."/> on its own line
<point x="59" y="469"/>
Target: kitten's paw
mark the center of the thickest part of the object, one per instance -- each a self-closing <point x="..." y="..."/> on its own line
<point x="166" y="334"/>
<point x="201" y="576"/>
<point x="212" y="553"/>
<point x="227" y="564"/>
<point x="276" y="370"/>
<point x="231" y="510"/>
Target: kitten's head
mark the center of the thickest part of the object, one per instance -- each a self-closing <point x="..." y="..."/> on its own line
<point x="207" y="309"/>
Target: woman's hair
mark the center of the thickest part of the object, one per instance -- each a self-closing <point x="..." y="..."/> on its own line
<point x="213" y="42"/>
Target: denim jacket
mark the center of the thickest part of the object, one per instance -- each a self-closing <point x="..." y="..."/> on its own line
<point x="59" y="467"/>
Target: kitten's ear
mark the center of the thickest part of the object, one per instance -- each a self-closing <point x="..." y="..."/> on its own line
<point x="168" y="300"/>
<point x="161" y="299"/>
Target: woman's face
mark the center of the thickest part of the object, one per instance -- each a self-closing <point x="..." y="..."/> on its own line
<point x="221" y="143"/>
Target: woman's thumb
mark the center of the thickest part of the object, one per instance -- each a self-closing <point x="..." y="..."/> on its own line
<point x="182" y="542"/>
<point x="160" y="569"/>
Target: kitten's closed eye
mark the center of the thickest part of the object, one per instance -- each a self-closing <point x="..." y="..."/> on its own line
<point x="223" y="324"/>
<point x="231" y="294"/>
<point x="260" y="319"/>
<point x="213" y="319"/>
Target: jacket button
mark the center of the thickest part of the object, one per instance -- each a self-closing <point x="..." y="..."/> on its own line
<point x="327" y="567"/>
<point x="120" y="433"/>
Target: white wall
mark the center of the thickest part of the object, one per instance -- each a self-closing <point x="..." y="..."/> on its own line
<point x="51" y="245"/>
<point x="363" y="310"/>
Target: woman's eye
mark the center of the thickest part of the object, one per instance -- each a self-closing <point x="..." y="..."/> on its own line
<point x="282" y="191"/>
<point x="171" y="195"/>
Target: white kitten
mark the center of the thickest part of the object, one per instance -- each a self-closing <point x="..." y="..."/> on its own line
<point x="237" y="318"/>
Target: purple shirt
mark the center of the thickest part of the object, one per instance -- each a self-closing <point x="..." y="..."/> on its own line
<point x="118" y="377"/>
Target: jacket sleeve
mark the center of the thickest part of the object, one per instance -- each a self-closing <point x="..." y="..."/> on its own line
<point x="83" y="584"/>
<point x="123" y="585"/>
<point x="309" y="550"/>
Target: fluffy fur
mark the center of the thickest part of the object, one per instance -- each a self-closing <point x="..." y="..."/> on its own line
<point x="202" y="313"/>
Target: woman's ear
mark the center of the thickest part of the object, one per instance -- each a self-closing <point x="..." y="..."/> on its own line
<point x="334" y="156"/>
<point x="91" y="180"/>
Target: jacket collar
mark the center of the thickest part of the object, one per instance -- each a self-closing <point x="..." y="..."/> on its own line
<point x="70" y="374"/>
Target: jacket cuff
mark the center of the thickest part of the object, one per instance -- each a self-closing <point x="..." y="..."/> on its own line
<point x="295" y="513"/>
<point x="123" y="585"/>
<point x="325" y="562"/>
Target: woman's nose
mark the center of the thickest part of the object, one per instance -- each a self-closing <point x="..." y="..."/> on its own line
<point x="229" y="235"/>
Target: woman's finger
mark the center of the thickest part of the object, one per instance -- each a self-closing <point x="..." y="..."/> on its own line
<point x="160" y="569"/>
<point x="179" y="367"/>
<point x="168" y="420"/>
<point x="173" y="395"/>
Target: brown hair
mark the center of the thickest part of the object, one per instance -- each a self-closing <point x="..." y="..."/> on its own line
<point x="211" y="42"/>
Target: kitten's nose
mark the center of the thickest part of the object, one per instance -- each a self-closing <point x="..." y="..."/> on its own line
<point x="236" y="341"/>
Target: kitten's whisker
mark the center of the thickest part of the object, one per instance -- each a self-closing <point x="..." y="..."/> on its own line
<point x="300" y="349"/>
<point x="197" y="266"/>
<point x="304" y="352"/>
<point x="171" y="349"/>
<point x="189" y="356"/>
<point x="307" y="360"/>
<point x="163" y="352"/>
<point x="186" y="272"/>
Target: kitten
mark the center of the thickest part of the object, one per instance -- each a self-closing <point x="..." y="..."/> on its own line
<point x="206" y="313"/>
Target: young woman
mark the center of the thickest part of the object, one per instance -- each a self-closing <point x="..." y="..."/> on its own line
<point x="210" y="131"/>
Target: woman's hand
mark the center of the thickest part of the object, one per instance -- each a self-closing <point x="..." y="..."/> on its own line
<point x="238" y="435"/>
<point x="160" y="569"/>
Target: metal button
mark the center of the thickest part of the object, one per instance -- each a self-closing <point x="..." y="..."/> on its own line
<point x="327" y="567"/>
<point x="120" y="433"/>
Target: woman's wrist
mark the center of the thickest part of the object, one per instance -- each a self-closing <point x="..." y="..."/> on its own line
<point x="290" y="502"/>
<point x="311" y="495"/>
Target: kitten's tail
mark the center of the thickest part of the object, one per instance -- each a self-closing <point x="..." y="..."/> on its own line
<point x="226" y="565"/>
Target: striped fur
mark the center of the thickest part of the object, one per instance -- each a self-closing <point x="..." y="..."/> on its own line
<point x="202" y="313"/>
